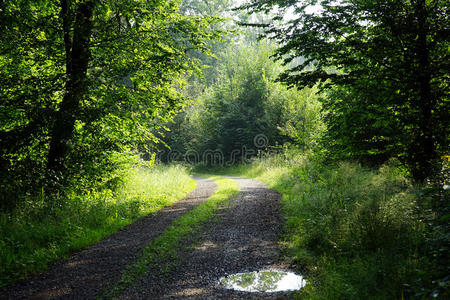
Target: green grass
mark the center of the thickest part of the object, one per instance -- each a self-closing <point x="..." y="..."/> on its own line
<point x="163" y="252"/>
<point x="355" y="232"/>
<point x="43" y="230"/>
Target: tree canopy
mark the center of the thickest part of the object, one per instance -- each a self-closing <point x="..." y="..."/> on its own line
<point x="387" y="63"/>
<point x="82" y="79"/>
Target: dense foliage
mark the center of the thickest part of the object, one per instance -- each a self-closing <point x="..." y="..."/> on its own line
<point x="245" y="111"/>
<point x="80" y="80"/>
<point x="386" y="63"/>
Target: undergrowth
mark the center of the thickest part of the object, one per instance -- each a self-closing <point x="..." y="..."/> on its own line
<point x="164" y="250"/>
<point x="357" y="232"/>
<point x="44" y="229"/>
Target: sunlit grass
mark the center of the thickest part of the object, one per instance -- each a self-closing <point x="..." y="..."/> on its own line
<point x="354" y="231"/>
<point x="44" y="229"/>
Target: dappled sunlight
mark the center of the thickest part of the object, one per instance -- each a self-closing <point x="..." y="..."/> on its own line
<point x="190" y="292"/>
<point x="206" y="246"/>
<point x="76" y="263"/>
<point x="332" y="115"/>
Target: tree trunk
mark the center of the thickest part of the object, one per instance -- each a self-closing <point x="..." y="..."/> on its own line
<point x="77" y="58"/>
<point x="424" y="148"/>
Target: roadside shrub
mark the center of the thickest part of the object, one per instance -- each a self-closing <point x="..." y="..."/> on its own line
<point x="356" y="232"/>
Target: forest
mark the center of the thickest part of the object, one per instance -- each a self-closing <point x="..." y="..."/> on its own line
<point x="107" y="108"/>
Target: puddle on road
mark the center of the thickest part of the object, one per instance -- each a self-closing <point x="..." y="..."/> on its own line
<point x="264" y="281"/>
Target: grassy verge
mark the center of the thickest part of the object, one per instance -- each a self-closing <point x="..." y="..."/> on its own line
<point x="43" y="230"/>
<point x="163" y="252"/>
<point x="356" y="232"/>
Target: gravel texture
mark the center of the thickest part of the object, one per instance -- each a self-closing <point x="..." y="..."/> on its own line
<point x="88" y="272"/>
<point x="244" y="238"/>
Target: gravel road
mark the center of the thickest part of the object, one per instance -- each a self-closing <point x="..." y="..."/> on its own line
<point x="243" y="239"/>
<point x="88" y="272"/>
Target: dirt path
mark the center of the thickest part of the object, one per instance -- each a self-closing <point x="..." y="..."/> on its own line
<point x="243" y="239"/>
<point x="88" y="272"/>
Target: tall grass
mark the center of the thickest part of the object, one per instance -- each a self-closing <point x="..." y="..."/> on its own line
<point x="356" y="232"/>
<point x="45" y="229"/>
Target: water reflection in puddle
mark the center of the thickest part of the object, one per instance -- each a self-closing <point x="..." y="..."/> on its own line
<point x="264" y="281"/>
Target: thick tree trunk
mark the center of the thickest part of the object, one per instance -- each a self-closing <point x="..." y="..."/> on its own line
<point x="425" y="151"/>
<point x="77" y="59"/>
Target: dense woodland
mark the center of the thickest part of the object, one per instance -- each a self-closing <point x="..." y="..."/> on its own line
<point x="342" y="106"/>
